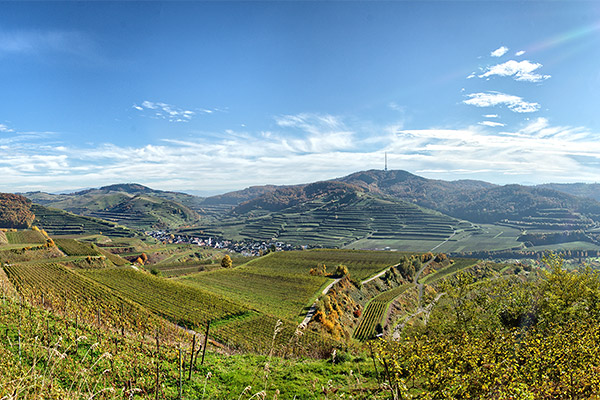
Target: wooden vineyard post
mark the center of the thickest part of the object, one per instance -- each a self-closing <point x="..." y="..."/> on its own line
<point x="205" y="342"/>
<point x="180" y="372"/>
<point x="192" y="357"/>
<point x="122" y="319"/>
<point x="374" y="363"/>
<point x="156" y="390"/>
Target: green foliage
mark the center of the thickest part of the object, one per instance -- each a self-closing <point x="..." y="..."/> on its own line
<point x="341" y="270"/>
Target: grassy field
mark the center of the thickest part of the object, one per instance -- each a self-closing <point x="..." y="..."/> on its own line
<point x="72" y="247"/>
<point x="25" y="237"/>
<point x="459" y="264"/>
<point x="43" y="355"/>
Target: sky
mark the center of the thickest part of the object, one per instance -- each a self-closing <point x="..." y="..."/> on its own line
<point x="209" y="97"/>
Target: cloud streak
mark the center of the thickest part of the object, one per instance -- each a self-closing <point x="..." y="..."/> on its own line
<point x="171" y="113"/>
<point x="491" y="99"/>
<point x="519" y="70"/>
<point x="306" y="148"/>
<point x="37" y="42"/>
<point x="492" y="124"/>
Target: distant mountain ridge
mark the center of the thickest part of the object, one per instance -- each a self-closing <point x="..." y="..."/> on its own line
<point x="141" y="207"/>
<point x="472" y="200"/>
<point x="589" y="190"/>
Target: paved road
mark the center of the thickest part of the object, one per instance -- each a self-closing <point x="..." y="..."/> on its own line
<point x="445" y="241"/>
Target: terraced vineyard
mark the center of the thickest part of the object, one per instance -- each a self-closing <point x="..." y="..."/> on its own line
<point x="280" y="283"/>
<point x="330" y="221"/>
<point x="72" y="247"/>
<point x="360" y="263"/>
<point x="284" y="295"/>
<point x="29" y="236"/>
<point x="235" y="325"/>
<point x="181" y="304"/>
<point x="375" y="311"/>
<point x="29" y="253"/>
<point x="58" y="222"/>
<point x="552" y="219"/>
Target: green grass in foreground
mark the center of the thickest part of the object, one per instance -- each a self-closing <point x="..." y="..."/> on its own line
<point x="51" y="358"/>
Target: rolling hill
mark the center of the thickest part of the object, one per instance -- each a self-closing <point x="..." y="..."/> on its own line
<point x="367" y="209"/>
<point x="132" y="205"/>
<point x="335" y="214"/>
<point x="482" y="202"/>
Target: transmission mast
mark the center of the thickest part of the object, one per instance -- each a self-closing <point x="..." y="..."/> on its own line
<point x="385" y="162"/>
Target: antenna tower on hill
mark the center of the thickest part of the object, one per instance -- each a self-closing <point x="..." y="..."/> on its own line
<point x="385" y="162"/>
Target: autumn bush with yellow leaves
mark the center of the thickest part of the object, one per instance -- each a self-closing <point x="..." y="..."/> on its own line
<point x="520" y="337"/>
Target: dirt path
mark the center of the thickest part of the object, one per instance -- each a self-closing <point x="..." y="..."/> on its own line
<point x="420" y="310"/>
<point x="313" y="309"/>
<point x="445" y="241"/>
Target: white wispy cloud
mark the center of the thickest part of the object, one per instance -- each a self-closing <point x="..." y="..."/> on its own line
<point x="499" y="52"/>
<point x="304" y="148"/>
<point x="519" y="70"/>
<point x="396" y="107"/>
<point x="168" y="112"/>
<point x="491" y="99"/>
<point x="491" y="115"/>
<point x="5" y="129"/>
<point x="520" y="53"/>
<point x="34" y="42"/>
<point x="493" y="124"/>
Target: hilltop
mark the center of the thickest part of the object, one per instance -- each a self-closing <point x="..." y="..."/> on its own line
<point x="133" y="205"/>
<point x="15" y="211"/>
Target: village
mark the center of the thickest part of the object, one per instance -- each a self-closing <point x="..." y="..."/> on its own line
<point x="245" y="248"/>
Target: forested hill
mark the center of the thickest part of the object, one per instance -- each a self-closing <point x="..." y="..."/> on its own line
<point x="476" y="201"/>
<point x="15" y="211"/>
<point x="289" y="196"/>
<point x="590" y="190"/>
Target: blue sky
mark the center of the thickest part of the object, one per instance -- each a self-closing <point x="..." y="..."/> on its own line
<point x="208" y="97"/>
